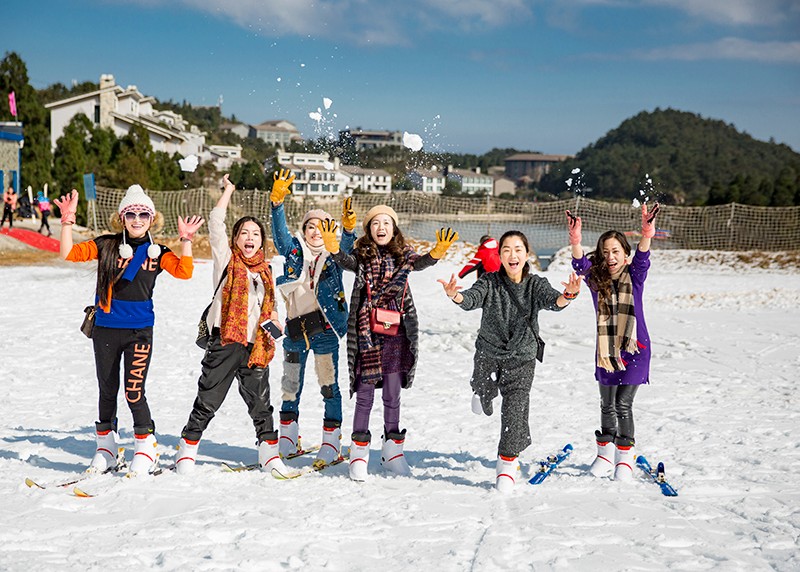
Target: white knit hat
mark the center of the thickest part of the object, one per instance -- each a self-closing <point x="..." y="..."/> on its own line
<point x="136" y="199"/>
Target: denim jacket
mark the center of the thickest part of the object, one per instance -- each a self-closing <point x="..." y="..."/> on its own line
<point x="330" y="289"/>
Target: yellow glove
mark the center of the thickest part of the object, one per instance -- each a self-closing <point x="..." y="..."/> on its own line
<point x="444" y="238"/>
<point x="327" y="229"/>
<point x="280" y="186"/>
<point x="348" y="215"/>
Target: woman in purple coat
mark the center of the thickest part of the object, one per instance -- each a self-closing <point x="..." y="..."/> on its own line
<point x="623" y="344"/>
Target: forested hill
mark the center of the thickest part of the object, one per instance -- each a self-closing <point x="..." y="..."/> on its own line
<point x="691" y="160"/>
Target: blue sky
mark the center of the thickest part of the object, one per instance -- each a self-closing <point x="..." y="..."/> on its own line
<point x="467" y="75"/>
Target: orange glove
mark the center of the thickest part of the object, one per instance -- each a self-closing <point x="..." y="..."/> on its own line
<point x="444" y="238"/>
<point x="348" y="215"/>
<point x="280" y="186"/>
<point x="327" y="228"/>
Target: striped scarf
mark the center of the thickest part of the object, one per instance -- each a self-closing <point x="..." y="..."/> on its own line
<point x="233" y="326"/>
<point x="387" y="284"/>
<point x="616" y="326"/>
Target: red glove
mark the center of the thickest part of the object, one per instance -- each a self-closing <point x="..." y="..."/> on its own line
<point x="574" y="225"/>
<point x="648" y="219"/>
<point x="68" y="205"/>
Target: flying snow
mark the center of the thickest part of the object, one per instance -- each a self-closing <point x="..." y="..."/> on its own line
<point x="188" y="164"/>
<point x="412" y="141"/>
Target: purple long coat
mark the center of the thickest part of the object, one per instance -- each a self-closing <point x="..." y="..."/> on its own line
<point x="637" y="371"/>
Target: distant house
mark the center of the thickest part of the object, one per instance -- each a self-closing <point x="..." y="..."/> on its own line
<point x="368" y="180"/>
<point x="11" y="141"/>
<point x="503" y="186"/>
<point x="364" y="139"/>
<point x="428" y="180"/>
<point x="119" y="109"/>
<point x="223" y="156"/>
<point x="315" y="174"/>
<point x="531" y="165"/>
<point x="240" y="129"/>
<point x="472" y="182"/>
<point x="278" y="132"/>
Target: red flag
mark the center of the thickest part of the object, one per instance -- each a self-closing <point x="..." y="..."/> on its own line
<point x="12" y="103"/>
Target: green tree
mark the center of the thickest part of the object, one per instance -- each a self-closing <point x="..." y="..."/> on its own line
<point x="785" y="188"/>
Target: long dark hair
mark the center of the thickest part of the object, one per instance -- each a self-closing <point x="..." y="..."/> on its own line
<point x="599" y="277"/>
<point x="237" y="226"/>
<point x="107" y="270"/>
<point x="367" y="248"/>
<point x="526" y="268"/>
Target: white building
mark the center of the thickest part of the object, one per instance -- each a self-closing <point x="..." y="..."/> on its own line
<point x="472" y="182"/>
<point x="368" y="180"/>
<point x="279" y="133"/>
<point x="315" y="174"/>
<point x="223" y="156"/>
<point x="428" y="180"/>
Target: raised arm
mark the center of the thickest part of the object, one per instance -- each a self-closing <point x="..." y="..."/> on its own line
<point x="648" y="226"/>
<point x="348" y="226"/>
<point x="227" y="191"/>
<point x="68" y="205"/>
<point x="574" y="226"/>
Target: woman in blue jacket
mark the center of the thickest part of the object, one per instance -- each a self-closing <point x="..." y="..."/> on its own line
<point x="316" y="312"/>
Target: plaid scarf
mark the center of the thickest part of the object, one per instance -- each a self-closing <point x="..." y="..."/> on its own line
<point x="387" y="283"/>
<point x="233" y="327"/>
<point x="616" y="326"/>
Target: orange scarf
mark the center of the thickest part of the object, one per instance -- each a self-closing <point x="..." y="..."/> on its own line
<point x="233" y="326"/>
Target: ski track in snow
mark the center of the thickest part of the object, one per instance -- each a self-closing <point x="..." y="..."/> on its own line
<point x="721" y="413"/>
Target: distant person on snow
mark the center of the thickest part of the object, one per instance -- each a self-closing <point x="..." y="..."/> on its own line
<point x="381" y="353"/>
<point x="43" y="204"/>
<point x="128" y="264"/>
<point x="508" y="343"/>
<point x="9" y="206"/>
<point x="623" y="343"/>
<point x="316" y="317"/>
<point x="487" y="259"/>
<point x="240" y="346"/>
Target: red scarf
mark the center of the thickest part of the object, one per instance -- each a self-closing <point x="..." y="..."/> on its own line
<point x="233" y="326"/>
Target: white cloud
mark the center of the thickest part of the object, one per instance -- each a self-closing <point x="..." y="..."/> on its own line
<point x="727" y="49"/>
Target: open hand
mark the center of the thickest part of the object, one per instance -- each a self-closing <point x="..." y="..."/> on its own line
<point x="188" y="226"/>
<point x="68" y="205"/>
<point x="348" y="215"/>
<point x="280" y="186"/>
<point x="573" y="285"/>
<point x="444" y="238"/>
<point x="450" y="287"/>
<point x="327" y="228"/>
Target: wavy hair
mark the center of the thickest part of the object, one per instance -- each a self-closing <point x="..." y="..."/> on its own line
<point x="599" y="277"/>
<point x="367" y="248"/>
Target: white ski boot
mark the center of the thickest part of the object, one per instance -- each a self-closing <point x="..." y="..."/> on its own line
<point x="105" y="457"/>
<point x="289" y="442"/>
<point x="145" y="457"/>
<point x="508" y="472"/>
<point x="187" y="456"/>
<point x="331" y="445"/>
<point x="623" y="459"/>
<point x="603" y="464"/>
<point x="392" y="457"/>
<point x="269" y="457"/>
<point x="359" y="456"/>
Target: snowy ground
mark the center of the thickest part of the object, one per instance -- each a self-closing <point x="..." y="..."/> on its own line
<point x="721" y="413"/>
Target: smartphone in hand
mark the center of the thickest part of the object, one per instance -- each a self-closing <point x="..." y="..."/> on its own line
<point x="272" y="329"/>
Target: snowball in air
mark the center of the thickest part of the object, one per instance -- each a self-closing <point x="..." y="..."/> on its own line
<point x="327" y="102"/>
<point x="188" y="164"/>
<point x="636" y="204"/>
<point x="412" y="141"/>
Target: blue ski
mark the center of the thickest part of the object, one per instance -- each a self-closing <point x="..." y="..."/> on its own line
<point x="657" y="476"/>
<point x="549" y="465"/>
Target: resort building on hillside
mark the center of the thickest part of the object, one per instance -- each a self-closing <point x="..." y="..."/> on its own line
<point x="428" y="180"/>
<point x="365" y="139"/>
<point x="368" y="180"/>
<point x="532" y="166"/>
<point x="472" y="182"/>
<point x="279" y="133"/>
<point x="315" y="174"/>
<point x="119" y="109"/>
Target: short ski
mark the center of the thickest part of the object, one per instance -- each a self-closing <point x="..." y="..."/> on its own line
<point x="255" y="466"/>
<point x="658" y="476"/>
<point x="548" y="465"/>
<point x="121" y="464"/>
<point x="315" y="468"/>
<point x="79" y="492"/>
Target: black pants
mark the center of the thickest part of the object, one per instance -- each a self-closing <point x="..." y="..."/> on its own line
<point x="221" y="364"/>
<point x="616" y="409"/>
<point x="133" y="348"/>
<point x="45" y="224"/>
<point x="513" y="379"/>
<point x="7" y="212"/>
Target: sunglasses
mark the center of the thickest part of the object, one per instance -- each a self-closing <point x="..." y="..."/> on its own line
<point x="131" y="216"/>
